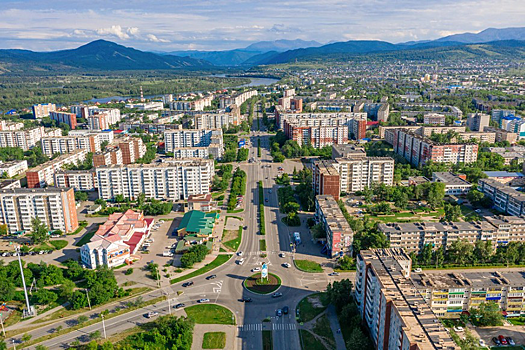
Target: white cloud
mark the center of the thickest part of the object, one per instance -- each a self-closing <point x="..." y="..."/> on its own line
<point x="114" y="30"/>
<point x="152" y="37"/>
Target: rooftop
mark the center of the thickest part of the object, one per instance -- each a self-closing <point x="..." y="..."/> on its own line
<point x="198" y="222"/>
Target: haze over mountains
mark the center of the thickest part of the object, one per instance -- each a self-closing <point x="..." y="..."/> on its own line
<point x="106" y="55"/>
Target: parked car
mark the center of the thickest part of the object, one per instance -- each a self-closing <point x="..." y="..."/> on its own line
<point x="256" y="269"/>
<point x="277" y="295"/>
<point x="502" y="340"/>
<point x="239" y="253"/>
<point x="418" y="270"/>
<point x="333" y="274"/>
<point x="510" y="341"/>
<point x="282" y="255"/>
<point x="286" y="265"/>
<point x="151" y="314"/>
<point x="246" y="300"/>
<point x="458" y="329"/>
<point x="241" y="261"/>
<point x="279" y="312"/>
<point x="210" y="277"/>
<point x="285" y="310"/>
<point x="496" y="341"/>
<point x="482" y="343"/>
<point x="187" y="284"/>
<point x="178" y="306"/>
<point x="203" y="300"/>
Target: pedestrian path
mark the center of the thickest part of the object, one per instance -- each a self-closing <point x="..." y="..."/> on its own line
<point x="284" y="326"/>
<point x="250" y="327"/>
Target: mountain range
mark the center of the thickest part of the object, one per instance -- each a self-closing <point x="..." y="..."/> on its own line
<point x="102" y="55"/>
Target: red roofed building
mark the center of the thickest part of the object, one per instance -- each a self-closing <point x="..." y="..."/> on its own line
<point x="116" y="240"/>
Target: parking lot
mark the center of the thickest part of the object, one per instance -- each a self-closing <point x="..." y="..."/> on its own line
<point x="517" y="333"/>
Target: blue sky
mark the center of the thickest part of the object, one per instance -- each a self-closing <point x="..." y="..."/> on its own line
<point x="226" y="24"/>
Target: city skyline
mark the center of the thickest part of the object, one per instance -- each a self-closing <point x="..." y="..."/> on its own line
<point x="161" y="26"/>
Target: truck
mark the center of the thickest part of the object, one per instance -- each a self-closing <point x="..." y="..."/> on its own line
<point x="297" y="238"/>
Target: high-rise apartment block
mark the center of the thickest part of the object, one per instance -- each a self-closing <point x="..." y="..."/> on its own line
<point x="418" y="149"/>
<point x="43" y="174"/>
<point x="211" y="138"/>
<point x="191" y="152"/>
<point x="42" y="110"/>
<point x="55" y="207"/>
<point x="111" y="155"/>
<point x="216" y="120"/>
<point x="65" y="144"/>
<point x="434" y="119"/>
<point x="13" y="167"/>
<point x="64" y="117"/>
<point x="478" y="121"/>
<point x="10" y="126"/>
<point x="132" y="149"/>
<point x="173" y="180"/>
<point x="26" y="139"/>
<point x="79" y="180"/>
<point x="339" y="235"/>
<point x="236" y="99"/>
<point x="395" y="313"/>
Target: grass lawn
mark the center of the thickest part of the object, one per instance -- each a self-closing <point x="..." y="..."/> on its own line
<point x="267" y="340"/>
<point x="59" y="244"/>
<point x="262" y="244"/>
<point x="86" y="238"/>
<point x="517" y="321"/>
<point x="322" y="328"/>
<point x="308" y="307"/>
<point x="214" y="340"/>
<point x="219" y="260"/>
<point x="236" y="242"/>
<point x="265" y="286"/>
<point x="210" y="314"/>
<point x="309" y="342"/>
<point x="308" y="266"/>
<point x="233" y="217"/>
<point x="234" y="211"/>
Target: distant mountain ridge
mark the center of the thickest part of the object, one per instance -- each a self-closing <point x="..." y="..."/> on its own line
<point x="487" y="35"/>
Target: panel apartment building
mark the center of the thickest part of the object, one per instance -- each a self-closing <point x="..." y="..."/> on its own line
<point x="173" y="180"/>
<point x="504" y="197"/>
<point x="216" y="120"/>
<point x="343" y="118"/>
<point x="43" y="174"/>
<point x="64" y="117"/>
<point x="66" y="144"/>
<point x="351" y="174"/>
<point x="42" y="110"/>
<point x="55" y="207"/>
<point x="339" y="235"/>
<point x="396" y="315"/>
<point x="418" y="149"/>
<point x="211" y="138"/>
<point x="236" y="99"/>
<point x="132" y="149"/>
<point x="26" y="139"/>
<point x="79" y="180"/>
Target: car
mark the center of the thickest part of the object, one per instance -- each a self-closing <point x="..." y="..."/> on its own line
<point x="418" y="270"/>
<point x="333" y="274"/>
<point x="179" y="305"/>
<point x="478" y="211"/>
<point x="151" y="314"/>
<point x="510" y="341"/>
<point x="187" y="284"/>
<point x="256" y="269"/>
<point x="203" y="300"/>
<point x="246" y="300"/>
<point x="496" y="341"/>
<point x="458" y="329"/>
<point x="502" y="340"/>
<point x="266" y="200"/>
<point x="285" y="310"/>
<point x="482" y="343"/>
<point x="282" y="255"/>
<point x="286" y="265"/>
<point x="245" y="227"/>
<point x="277" y="295"/>
<point x="239" y="253"/>
<point x="210" y="277"/>
<point x="279" y="312"/>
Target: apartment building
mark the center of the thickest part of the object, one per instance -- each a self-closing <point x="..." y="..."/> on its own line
<point x="387" y="132"/>
<point x="79" y="180"/>
<point x="111" y="155"/>
<point x="146" y="106"/>
<point x="418" y="149"/>
<point x="478" y="121"/>
<point x="181" y="138"/>
<point x="351" y="174"/>
<point x="434" y="119"/>
<point x="43" y="174"/>
<point x="13" y="167"/>
<point x="191" y="152"/>
<point x="509" y="154"/>
<point x="357" y="129"/>
<point x="396" y="316"/>
<point x="111" y="115"/>
<point x="339" y="235"/>
<point x="6" y="125"/>
<point x="377" y="111"/>
<point x="317" y="119"/>
<point x="26" y="139"/>
<point x="317" y="136"/>
<point x="347" y="151"/>
<point x="455" y="184"/>
<point x="288" y="103"/>
<point x="236" y="99"/>
<point x="42" y="110"/>
<point x="503" y="135"/>
<point x="64" y="117"/>
<point x="65" y="144"/>
<point x="172" y="180"/>
<point x="193" y="105"/>
<point x="55" y="207"/>
<point x="504" y="197"/>
<point x="98" y="122"/>
<point x="132" y="149"/>
<point x="215" y="120"/>
<point x="81" y="111"/>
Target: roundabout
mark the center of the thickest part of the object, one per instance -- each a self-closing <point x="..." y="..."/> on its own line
<point x="265" y="286"/>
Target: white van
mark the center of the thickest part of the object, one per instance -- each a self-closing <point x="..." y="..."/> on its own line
<point x="167" y="254"/>
<point x="241" y="261"/>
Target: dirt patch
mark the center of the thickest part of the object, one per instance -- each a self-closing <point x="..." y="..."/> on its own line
<point x="228" y="235"/>
<point x="232" y="223"/>
<point x="316" y="302"/>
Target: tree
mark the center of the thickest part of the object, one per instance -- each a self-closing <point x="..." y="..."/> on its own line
<point x="7" y="289"/>
<point x="81" y="196"/>
<point x="102" y="202"/>
<point x="82" y="319"/>
<point x="318" y="231"/>
<point x="357" y="340"/>
<point x="119" y="198"/>
<point x="452" y="212"/>
<point x="346" y="263"/>
<point x="436" y="193"/>
<point x="94" y="335"/>
<point x="483" y="251"/>
<point x="3" y="230"/>
<point x="425" y="256"/>
<point x="66" y="289"/>
<point x="487" y="314"/>
<point x="44" y="296"/>
<point x="439" y="256"/>
<point x="39" y="230"/>
<point x="340" y="293"/>
<point x="460" y="251"/>
<point x="26" y="337"/>
<point x="78" y="300"/>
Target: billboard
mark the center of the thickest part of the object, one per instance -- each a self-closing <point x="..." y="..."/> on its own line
<point x="264" y="271"/>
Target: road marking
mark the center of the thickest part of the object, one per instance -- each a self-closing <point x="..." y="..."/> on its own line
<point x="250" y="327"/>
<point x="218" y="288"/>
<point x="284" y="326"/>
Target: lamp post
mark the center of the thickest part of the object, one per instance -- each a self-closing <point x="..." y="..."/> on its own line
<point x="89" y="301"/>
<point x="103" y="326"/>
<point x="30" y="310"/>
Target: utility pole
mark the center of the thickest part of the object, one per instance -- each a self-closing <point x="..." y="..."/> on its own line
<point x="2" y="322"/>
<point x="14" y="344"/>
<point x="30" y="310"/>
<point x="89" y="302"/>
<point x="103" y="326"/>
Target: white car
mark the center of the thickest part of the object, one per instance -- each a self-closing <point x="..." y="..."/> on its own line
<point x="482" y="343"/>
<point x="286" y="265"/>
<point x="239" y="253"/>
<point x="458" y="329"/>
<point x="282" y="255"/>
<point x="418" y="270"/>
<point x="256" y="269"/>
<point x="240" y="262"/>
<point x="203" y="301"/>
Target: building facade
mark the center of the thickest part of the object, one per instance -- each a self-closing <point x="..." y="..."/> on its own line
<point x="339" y="235"/>
<point x="64" y="117"/>
<point x="182" y="138"/>
<point x="79" y="180"/>
<point x="44" y="174"/>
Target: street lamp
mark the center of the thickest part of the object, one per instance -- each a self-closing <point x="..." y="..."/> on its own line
<point x="30" y="311"/>
<point x="89" y="301"/>
<point x="103" y="326"/>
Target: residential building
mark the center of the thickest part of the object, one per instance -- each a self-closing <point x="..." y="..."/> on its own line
<point x="396" y="316"/>
<point x="418" y="149"/>
<point x="339" y="235"/>
<point x="357" y="128"/>
<point x="111" y="155"/>
<point x="509" y="154"/>
<point x="55" y="207"/>
<point x="216" y="120"/>
<point x="497" y="114"/>
<point x="202" y="202"/>
<point x="26" y="139"/>
<point x="317" y="119"/>
<point x="478" y="121"/>
<point x="116" y="241"/>
<point x="291" y="104"/>
<point x="9" y="183"/>
<point x="98" y="121"/>
<point x="146" y="106"/>
<point x="503" y="135"/>
<point x="6" y="125"/>
<point x="174" y="139"/>
<point x="43" y="110"/>
<point x="191" y="152"/>
<point x="434" y="119"/>
<point x="325" y="179"/>
<point x="173" y="180"/>
<point x="112" y="115"/>
<point x="505" y="198"/>
<point x="43" y="174"/>
<point x="377" y="111"/>
<point x="79" y="180"/>
<point x="505" y="177"/>
<point x="347" y="151"/>
<point x="65" y="144"/>
<point x="132" y="149"/>
<point x="318" y="136"/>
<point x="81" y="111"/>
<point x="13" y="167"/>
<point x="236" y="99"/>
<point x="64" y="117"/>
<point x="197" y="223"/>
<point x="479" y="137"/>
<point x="195" y="105"/>
<point x="454" y="184"/>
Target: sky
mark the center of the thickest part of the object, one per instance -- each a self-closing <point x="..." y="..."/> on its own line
<point x="167" y="25"/>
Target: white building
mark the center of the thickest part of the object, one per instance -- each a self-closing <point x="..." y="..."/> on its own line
<point x="215" y="120"/>
<point x="65" y="144"/>
<point x="79" y="180"/>
<point x="26" y="139"/>
<point x="236" y="99"/>
<point x="191" y="152"/>
<point x="173" y="180"/>
<point x="13" y="167"/>
<point x="194" y="138"/>
<point x="454" y="184"/>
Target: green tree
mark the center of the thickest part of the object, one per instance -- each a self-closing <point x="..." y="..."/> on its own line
<point x="82" y="319"/>
<point x="346" y="263"/>
<point x="7" y="289"/>
<point x="460" y="251"/>
<point x="425" y="257"/>
<point x="3" y="230"/>
<point x="436" y="193"/>
<point x="81" y="196"/>
<point x="439" y="256"/>
<point x="340" y="293"/>
<point x="483" y="251"/>
<point x="487" y="314"/>
<point x="44" y="296"/>
<point x="318" y="231"/>
<point x="94" y="335"/>
<point x="66" y="289"/>
<point x="357" y="340"/>
<point x="452" y="212"/>
<point x="39" y="231"/>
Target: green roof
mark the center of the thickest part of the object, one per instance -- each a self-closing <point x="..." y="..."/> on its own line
<point x="196" y="221"/>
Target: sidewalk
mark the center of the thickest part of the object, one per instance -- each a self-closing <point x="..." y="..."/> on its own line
<point x="334" y="324"/>
<point x="201" y="329"/>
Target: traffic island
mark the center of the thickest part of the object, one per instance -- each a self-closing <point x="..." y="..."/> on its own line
<point x="255" y="284"/>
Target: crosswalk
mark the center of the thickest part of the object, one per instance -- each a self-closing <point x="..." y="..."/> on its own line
<point x="253" y="327"/>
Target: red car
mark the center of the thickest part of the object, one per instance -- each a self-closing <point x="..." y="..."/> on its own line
<point x="502" y="339"/>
